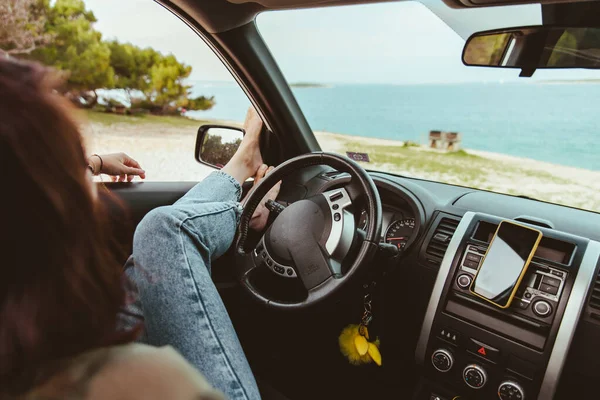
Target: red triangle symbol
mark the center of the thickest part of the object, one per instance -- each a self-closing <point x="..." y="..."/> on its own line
<point x="482" y="351"/>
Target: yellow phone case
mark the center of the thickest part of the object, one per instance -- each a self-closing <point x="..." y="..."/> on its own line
<point x="523" y="271"/>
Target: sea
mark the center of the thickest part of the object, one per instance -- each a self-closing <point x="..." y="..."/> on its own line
<point x="556" y="122"/>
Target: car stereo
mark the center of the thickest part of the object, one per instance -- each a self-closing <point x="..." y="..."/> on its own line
<point x="538" y="294"/>
<point x="473" y="349"/>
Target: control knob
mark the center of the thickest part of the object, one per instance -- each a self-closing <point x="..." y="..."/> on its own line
<point x="509" y="390"/>
<point x="442" y="360"/>
<point x="542" y="308"/>
<point x="474" y="376"/>
<point x="464" y="281"/>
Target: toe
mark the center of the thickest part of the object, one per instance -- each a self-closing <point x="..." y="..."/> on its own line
<point x="260" y="173"/>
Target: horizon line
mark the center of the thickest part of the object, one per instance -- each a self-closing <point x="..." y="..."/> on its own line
<point x="321" y="83"/>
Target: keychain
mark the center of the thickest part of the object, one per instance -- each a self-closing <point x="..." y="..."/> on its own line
<point x="354" y="339"/>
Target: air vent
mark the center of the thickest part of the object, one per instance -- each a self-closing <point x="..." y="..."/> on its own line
<point x="439" y="241"/>
<point x="594" y="302"/>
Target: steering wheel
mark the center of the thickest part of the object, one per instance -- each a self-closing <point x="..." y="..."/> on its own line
<point x="310" y="238"/>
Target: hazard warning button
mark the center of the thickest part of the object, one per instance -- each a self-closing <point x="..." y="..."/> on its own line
<point x="483" y="350"/>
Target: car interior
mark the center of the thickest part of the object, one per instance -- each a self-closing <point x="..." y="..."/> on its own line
<point x="419" y="250"/>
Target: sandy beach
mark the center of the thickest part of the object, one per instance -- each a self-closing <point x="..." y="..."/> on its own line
<point x="165" y="151"/>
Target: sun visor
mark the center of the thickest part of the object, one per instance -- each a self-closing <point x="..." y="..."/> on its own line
<point x="467" y="20"/>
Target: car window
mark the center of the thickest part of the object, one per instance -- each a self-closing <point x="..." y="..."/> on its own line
<point x="387" y="81"/>
<point x="142" y="81"/>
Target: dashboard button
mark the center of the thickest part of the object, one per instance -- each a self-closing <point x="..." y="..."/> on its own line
<point x="449" y="336"/>
<point x="474" y="376"/>
<point x="522" y="304"/>
<point x="471" y="264"/>
<point x="483" y="350"/>
<point x="464" y="281"/>
<point x="557" y="273"/>
<point x="548" y="289"/>
<point x="442" y="360"/>
<point x="473" y="257"/>
<point x="336" y="196"/>
<point x="548" y="280"/>
<point x="509" y="390"/>
<point x="542" y="308"/>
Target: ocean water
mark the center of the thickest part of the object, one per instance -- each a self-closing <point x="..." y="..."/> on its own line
<point x="553" y="122"/>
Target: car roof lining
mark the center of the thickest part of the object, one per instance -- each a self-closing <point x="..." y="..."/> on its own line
<point x="286" y="4"/>
<point x="218" y="16"/>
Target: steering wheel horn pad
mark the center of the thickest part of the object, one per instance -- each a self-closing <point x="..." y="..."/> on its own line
<point x="300" y="221"/>
<point x="313" y="235"/>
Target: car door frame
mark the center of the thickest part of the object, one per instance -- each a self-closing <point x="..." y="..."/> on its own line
<point x="246" y="55"/>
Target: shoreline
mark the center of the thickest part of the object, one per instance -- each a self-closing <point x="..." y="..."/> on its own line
<point x="333" y="140"/>
<point x="165" y="149"/>
<point x="326" y="137"/>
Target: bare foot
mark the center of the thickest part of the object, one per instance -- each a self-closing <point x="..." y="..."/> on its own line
<point x="247" y="159"/>
<point x="261" y="214"/>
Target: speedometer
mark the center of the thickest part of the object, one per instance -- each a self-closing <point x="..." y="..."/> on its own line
<point x="400" y="232"/>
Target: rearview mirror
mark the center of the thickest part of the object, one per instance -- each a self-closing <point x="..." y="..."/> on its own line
<point x="534" y="47"/>
<point x="216" y="144"/>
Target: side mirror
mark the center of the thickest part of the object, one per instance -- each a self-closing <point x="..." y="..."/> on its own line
<point x="216" y="144"/>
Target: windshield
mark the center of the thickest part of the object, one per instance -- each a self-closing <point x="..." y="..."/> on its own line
<point x="387" y="81"/>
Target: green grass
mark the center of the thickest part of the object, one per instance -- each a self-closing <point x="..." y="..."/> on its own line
<point x="412" y="159"/>
<point x="110" y="119"/>
<point x="409" y="143"/>
<point x="458" y="167"/>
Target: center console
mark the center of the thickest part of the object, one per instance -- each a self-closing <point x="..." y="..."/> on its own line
<point x="474" y="350"/>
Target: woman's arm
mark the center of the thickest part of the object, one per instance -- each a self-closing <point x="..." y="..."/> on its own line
<point x="119" y="166"/>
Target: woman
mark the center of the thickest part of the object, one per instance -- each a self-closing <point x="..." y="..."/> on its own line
<point x="62" y="287"/>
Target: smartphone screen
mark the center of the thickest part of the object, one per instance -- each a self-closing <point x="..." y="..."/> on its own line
<point x="505" y="263"/>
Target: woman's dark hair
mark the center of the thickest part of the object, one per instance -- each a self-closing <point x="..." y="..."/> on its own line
<point x="61" y="277"/>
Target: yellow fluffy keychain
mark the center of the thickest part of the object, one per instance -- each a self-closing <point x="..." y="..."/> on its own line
<point x="356" y="346"/>
<point x="354" y="339"/>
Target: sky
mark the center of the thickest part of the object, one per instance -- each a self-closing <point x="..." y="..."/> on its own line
<point x="389" y="43"/>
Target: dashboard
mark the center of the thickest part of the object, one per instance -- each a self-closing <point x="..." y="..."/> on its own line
<point x="553" y="356"/>
<point x="542" y="347"/>
<point x="398" y="225"/>
<point x="402" y="212"/>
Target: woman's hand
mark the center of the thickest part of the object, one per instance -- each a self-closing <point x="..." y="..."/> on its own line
<point x="119" y="166"/>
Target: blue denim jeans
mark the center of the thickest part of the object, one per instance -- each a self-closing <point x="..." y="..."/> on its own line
<point x="173" y="248"/>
